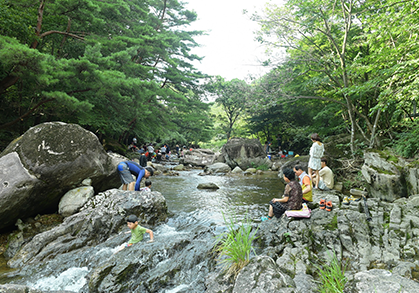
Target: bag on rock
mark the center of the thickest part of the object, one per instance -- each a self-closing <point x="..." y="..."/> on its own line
<point x="305" y="212"/>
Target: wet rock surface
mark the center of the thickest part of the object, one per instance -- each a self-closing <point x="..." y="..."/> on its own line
<point x="101" y="217"/>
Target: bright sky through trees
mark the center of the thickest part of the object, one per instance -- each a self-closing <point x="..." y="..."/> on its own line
<point x="229" y="48"/>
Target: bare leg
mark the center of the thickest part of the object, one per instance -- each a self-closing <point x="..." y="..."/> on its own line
<point x="124" y="186"/>
<point x="310" y="171"/>
<point x="131" y="186"/>
<point x="271" y="211"/>
<point x="318" y="178"/>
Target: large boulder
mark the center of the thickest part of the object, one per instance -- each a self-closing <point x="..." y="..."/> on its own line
<point x="384" y="174"/>
<point x="198" y="157"/>
<point x="40" y="166"/>
<point x="103" y="215"/>
<point x="217" y="168"/>
<point x="244" y="153"/>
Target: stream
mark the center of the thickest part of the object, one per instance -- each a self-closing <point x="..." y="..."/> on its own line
<point x="195" y="216"/>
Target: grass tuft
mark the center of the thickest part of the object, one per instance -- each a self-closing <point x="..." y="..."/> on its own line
<point x="235" y="246"/>
<point x="332" y="276"/>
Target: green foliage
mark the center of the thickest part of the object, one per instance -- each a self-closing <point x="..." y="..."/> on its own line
<point x="235" y="245"/>
<point x="331" y="276"/>
<point x="406" y="143"/>
<point x="262" y="167"/>
<point x="232" y="96"/>
<point x="118" y="68"/>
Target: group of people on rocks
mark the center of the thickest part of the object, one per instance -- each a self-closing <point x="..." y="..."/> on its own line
<point x="319" y="176"/>
<point x="296" y="192"/>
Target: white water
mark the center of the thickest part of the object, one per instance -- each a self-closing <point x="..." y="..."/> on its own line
<point x="72" y="279"/>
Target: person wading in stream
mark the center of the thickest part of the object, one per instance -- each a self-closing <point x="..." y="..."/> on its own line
<point x="137" y="233"/>
<point x="127" y="169"/>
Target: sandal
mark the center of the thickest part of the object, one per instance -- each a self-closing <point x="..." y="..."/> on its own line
<point x="345" y="200"/>
<point x="265" y="218"/>
<point x="329" y="206"/>
<point x="322" y="204"/>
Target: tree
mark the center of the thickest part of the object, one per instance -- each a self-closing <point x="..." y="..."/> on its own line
<point x="232" y="96"/>
<point x="324" y="42"/>
<point x="115" y="67"/>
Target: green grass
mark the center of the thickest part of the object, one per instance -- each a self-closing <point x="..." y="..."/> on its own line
<point x="235" y="245"/>
<point x="332" y="276"/>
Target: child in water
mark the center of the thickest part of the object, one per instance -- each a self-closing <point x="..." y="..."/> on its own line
<point x="147" y="186"/>
<point x="137" y="233"/>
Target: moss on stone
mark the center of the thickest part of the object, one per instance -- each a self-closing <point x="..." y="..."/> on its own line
<point x="333" y="225"/>
<point x="382" y="171"/>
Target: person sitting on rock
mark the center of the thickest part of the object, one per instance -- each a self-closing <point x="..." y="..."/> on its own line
<point x="326" y="176"/>
<point x="291" y="200"/>
<point x="128" y="168"/>
<point x="305" y="183"/>
<point x="147" y="186"/>
<point x="137" y="233"/>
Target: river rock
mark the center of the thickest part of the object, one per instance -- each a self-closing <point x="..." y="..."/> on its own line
<point x="102" y="216"/>
<point x="262" y="274"/>
<point x="198" y="157"/>
<point x="74" y="199"/>
<point x="244" y="153"/>
<point x="179" y="167"/>
<point x="237" y="170"/>
<point x="217" y="168"/>
<point x="14" y="243"/>
<point x="381" y="281"/>
<point x="208" y="185"/>
<point x="40" y="166"/>
<point x="12" y="288"/>
<point x="383" y="173"/>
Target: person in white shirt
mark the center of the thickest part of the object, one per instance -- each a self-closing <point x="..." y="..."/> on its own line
<point x="326" y="181"/>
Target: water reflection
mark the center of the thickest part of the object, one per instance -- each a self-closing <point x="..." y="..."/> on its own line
<point x="237" y="194"/>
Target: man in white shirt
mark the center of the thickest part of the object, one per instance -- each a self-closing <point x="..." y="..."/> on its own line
<point x="326" y="176"/>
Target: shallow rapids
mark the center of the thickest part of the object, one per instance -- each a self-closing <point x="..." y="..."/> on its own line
<point x="182" y="245"/>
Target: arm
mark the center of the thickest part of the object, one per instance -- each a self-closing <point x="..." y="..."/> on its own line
<point x="306" y="182"/>
<point x="284" y="199"/>
<point x="151" y="235"/>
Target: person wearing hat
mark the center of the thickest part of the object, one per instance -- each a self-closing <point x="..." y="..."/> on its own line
<point x="128" y="168"/>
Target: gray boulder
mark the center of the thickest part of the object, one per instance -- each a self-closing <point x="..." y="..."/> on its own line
<point x="198" y="157"/>
<point x="384" y="175"/>
<point x="237" y="170"/>
<point x="39" y="167"/>
<point x="74" y="199"/>
<point x="217" y="168"/>
<point x="102" y="216"/>
<point x="381" y="281"/>
<point x="262" y="274"/>
<point x="208" y="185"/>
<point x="244" y="153"/>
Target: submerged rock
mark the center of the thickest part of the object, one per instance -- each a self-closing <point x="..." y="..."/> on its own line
<point x="208" y="185"/>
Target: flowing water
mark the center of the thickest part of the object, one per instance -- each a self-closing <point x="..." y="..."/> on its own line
<point x="191" y="210"/>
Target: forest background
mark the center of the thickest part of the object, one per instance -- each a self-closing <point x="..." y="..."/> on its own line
<point x="123" y="69"/>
